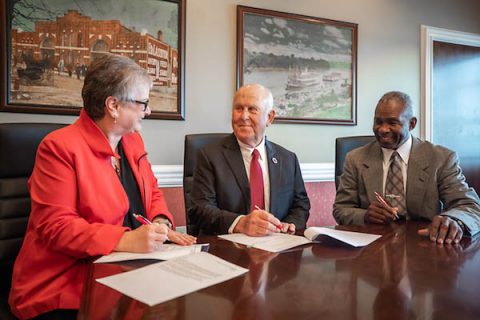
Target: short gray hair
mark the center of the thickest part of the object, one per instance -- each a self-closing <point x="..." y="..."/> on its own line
<point x="111" y="75"/>
<point x="266" y="95"/>
<point x="403" y="98"/>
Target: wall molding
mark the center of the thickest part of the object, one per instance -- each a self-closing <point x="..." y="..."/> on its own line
<point x="170" y="176"/>
<point x="428" y="36"/>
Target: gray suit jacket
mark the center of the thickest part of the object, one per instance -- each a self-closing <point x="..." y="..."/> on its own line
<point x="435" y="185"/>
<point x="221" y="190"/>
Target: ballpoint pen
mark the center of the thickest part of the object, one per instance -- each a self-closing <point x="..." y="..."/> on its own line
<point x="384" y="203"/>
<point x="279" y="227"/>
<point x="144" y="220"/>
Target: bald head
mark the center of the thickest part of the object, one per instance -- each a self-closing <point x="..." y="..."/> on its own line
<point x="258" y="92"/>
<point x="252" y="112"/>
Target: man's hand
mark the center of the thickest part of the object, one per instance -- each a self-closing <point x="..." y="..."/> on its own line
<point x="377" y="213"/>
<point x="146" y="238"/>
<point x="288" y="228"/>
<point x="443" y="229"/>
<point x="258" y="223"/>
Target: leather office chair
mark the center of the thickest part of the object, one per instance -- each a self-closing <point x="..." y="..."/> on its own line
<point x="342" y="146"/>
<point x="193" y="143"/>
<point x="18" y="147"/>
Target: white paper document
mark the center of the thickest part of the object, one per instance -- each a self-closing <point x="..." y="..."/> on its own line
<point x="171" y="279"/>
<point x="274" y="243"/>
<point x="278" y="242"/>
<point x="356" y="239"/>
<point x="164" y="252"/>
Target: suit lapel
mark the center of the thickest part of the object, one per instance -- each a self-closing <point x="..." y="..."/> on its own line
<point x="417" y="176"/>
<point x="373" y="173"/>
<point x="275" y="164"/>
<point x="233" y="156"/>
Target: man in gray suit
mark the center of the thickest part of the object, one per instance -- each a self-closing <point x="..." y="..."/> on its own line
<point x="221" y="193"/>
<point x="433" y="182"/>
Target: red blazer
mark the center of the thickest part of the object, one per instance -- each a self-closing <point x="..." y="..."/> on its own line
<point x="78" y="206"/>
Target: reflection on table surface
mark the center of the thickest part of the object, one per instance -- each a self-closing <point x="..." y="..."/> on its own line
<point x="399" y="276"/>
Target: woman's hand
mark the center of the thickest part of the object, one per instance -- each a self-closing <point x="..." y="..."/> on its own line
<point x="181" y="238"/>
<point x="146" y="238"/>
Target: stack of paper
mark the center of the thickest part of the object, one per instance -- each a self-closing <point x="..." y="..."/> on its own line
<point x="171" y="279"/>
<point x="164" y="252"/>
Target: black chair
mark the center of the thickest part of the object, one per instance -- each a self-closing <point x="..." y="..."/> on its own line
<point x="342" y="146"/>
<point x="18" y="147"/>
<point x="193" y="143"/>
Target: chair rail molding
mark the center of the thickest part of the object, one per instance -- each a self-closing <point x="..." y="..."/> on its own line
<point x="428" y="36"/>
<point x="170" y="176"/>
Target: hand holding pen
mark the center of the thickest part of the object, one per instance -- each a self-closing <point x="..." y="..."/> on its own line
<point x="387" y="206"/>
<point x="144" y="220"/>
<point x="146" y="238"/>
<point x="282" y="227"/>
<point x="258" y="223"/>
<point x="380" y="212"/>
<point x="172" y="235"/>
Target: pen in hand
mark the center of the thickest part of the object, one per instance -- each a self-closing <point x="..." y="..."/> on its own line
<point x="385" y="204"/>
<point x="144" y="220"/>
<point x="279" y="227"/>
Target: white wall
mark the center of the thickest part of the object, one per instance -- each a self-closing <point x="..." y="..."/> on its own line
<point x="388" y="59"/>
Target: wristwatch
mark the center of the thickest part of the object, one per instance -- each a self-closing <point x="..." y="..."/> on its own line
<point x="461" y="224"/>
<point x="163" y="220"/>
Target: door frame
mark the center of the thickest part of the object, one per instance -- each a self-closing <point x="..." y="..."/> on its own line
<point x="428" y="35"/>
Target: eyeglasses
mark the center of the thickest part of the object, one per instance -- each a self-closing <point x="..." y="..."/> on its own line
<point x="145" y="103"/>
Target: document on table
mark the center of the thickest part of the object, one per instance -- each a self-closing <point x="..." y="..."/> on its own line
<point x="274" y="242"/>
<point x="164" y="252"/>
<point x="356" y="239"/>
<point x="171" y="279"/>
<point x="281" y="241"/>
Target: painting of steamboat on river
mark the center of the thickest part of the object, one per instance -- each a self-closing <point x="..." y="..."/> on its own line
<point x="308" y="63"/>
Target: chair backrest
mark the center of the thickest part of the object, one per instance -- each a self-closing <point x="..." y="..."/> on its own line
<point x="18" y="147"/>
<point x="342" y="146"/>
<point x="193" y="143"/>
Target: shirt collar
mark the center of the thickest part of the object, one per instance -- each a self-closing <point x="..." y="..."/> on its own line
<point x="247" y="150"/>
<point x="403" y="151"/>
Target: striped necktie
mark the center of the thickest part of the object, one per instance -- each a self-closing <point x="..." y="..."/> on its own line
<point x="394" y="188"/>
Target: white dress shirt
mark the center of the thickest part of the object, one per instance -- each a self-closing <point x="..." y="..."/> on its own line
<point x="247" y="151"/>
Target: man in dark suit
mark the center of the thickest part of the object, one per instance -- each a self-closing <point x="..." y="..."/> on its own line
<point x="433" y="185"/>
<point x="222" y="193"/>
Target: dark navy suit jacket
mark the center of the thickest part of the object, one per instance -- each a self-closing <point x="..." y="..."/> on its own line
<point x="221" y="190"/>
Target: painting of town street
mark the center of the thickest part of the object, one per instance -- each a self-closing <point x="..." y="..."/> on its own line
<point x="52" y="43"/>
<point x="308" y="66"/>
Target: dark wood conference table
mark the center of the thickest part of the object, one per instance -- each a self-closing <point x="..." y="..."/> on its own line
<point x="399" y="276"/>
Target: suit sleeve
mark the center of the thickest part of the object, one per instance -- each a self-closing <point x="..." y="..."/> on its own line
<point x="347" y="209"/>
<point x="54" y="216"/>
<point x="204" y="211"/>
<point x="300" y="208"/>
<point x="459" y="200"/>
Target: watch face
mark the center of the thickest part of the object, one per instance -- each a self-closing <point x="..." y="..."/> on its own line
<point x="164" y="221"/>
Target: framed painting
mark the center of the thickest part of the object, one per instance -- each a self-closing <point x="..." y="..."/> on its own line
<point x="308" y="63"/>
<point x="47" y="46"/>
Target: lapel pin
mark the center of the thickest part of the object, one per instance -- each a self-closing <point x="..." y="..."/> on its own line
<point x="274" y="160"/>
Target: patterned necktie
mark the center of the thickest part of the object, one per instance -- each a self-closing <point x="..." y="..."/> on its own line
<point x="394" y="190"/>
<point x="256" y="182"/>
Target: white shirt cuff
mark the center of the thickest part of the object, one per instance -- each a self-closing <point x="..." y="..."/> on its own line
<point x="230" y="230"/>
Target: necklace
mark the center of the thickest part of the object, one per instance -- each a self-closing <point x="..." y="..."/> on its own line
<point x="116" y="165"/>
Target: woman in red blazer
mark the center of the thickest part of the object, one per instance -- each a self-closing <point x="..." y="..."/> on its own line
<point x="88" y="181"/>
